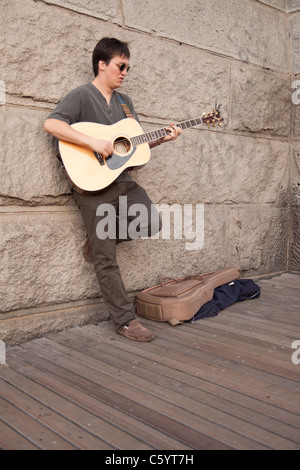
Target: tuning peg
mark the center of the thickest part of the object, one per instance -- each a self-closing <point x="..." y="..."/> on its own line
<point x="220" y="124"/>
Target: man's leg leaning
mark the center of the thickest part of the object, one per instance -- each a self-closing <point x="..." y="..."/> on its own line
<point x="116" y="299"/>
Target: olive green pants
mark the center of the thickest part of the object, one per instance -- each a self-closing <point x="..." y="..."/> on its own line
<point x="106" y="214"/>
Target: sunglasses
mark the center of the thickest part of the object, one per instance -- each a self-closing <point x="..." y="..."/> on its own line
<point x="122" y="67"/>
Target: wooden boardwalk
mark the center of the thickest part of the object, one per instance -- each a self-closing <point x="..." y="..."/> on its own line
<point x="226" y="382"/>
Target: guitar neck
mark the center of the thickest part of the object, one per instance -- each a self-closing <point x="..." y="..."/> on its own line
<point x="159" y="133"/>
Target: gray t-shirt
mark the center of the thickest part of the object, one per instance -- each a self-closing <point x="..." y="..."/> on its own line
<point x="87" y="104"/>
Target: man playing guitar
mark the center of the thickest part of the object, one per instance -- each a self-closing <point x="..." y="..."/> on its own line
<point x="98" y="102"/>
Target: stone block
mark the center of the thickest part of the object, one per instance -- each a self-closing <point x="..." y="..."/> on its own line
<point x="41" y="259"/>
<point x="240" y="28"/>
<point x="30" y="170"/>
<point x="258" y="239"/>
<point x="174" y="82"/>
<point x="294" y="255"/>
<point x="296" y="107"/>
<point x="261" y="101"/>
<point x="56" y="54"/>
<point x="213" y="167"/>
<point x="295" y="175"/>
<point x="294" y="26"/>
<point x="23" y="325"/>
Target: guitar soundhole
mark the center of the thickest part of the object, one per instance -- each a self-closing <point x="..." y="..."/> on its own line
<point x="122" y="146"/>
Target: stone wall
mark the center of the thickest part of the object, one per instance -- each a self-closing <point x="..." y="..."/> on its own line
<point x="184" y="56"/>
<point x="294" y="26"/>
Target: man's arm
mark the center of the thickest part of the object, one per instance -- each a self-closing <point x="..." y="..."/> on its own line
<point x="63" y="131"/>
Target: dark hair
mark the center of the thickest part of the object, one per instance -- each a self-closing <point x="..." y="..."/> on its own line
<point x="106" y="49"/>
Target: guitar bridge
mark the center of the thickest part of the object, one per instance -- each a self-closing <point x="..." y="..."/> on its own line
<point x="99" y="158"/>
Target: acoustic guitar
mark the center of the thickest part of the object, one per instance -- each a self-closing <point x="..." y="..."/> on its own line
<point x="90" y="171"/>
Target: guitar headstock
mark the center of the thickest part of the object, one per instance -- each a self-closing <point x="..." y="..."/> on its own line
<point x="213" y="118"/>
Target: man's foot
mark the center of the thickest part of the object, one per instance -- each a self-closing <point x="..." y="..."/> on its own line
<point x="135" y="331"/>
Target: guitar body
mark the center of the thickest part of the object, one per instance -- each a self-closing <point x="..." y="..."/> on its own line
<point x="89" y="171"/>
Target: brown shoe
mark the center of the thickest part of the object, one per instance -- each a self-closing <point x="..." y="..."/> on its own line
<point x="136" y="332"/>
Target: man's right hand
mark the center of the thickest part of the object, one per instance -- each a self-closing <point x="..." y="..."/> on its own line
<point x="63" y="131"/>
<point x="104" y="147"/>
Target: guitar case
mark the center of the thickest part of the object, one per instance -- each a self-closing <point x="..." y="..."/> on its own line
<point x="178" y="300"/>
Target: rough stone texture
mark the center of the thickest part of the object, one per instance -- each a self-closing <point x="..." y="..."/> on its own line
<point x="196" y="90"/>
<point x="45" y="49"/>
<point x="295" y="239"/>
<point x="237" y="28"/>
<point x="261" y="101"/>
<point x="295" y="41"/>
<point x="161" y="258"/>
<point x="296" y="175"/>
<point x="41" y="259"/>
<point x="280" y="4"/>
<point x="296" y="108"/>
<point x="184" y="56"/>
<point x="295" y="209"/>
<point x="294" y="25"/>
<point x="29" y="167"/>
<point x="34" y="322"/>
<point x="213" y="168"/>
<point x="258" y="239"/>
<point x="292" y="5"/>
<point x="108" y="10"/>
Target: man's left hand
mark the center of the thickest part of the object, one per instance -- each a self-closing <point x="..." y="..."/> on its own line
<point x="173" y="133"/>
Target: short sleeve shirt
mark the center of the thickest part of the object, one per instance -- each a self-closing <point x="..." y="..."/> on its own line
<point x="87" y="104"/>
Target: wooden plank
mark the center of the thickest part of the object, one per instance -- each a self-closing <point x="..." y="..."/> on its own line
<point x="112" y="377"/>
<point x="12" y="440"/>
<point x="226" y="382"/>
<point x="246" y="327"/>
<point x="212" y="327"/>
<point x="32" y="429"/>
<point x="200" y="336"/>
<point x="170" y="423"/>
<point x="250" y="332"/>
<point x="146" y="434"/>
<point x="209" y="371"/>
<point x="180" y="382"/>
<point x="210" y="333"/>
<point x="194" y="335"/>
<point x="167" y="418"/>
<point x="133" y="361"/>
<point x="239" y="317"/>
<point x="69" y="421"/>
<point x="283" y="374"/>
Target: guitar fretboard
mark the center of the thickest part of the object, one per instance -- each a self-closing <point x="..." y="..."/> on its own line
<point x="159" y="133"/>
